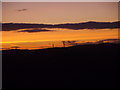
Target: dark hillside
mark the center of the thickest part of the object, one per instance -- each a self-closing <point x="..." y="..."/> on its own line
<point x="83" y="66"/>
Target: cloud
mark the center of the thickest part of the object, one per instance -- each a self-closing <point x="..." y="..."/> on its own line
<point x="75" y="26"/>
<point x="74" y="43"/>
<point x="19" y="10"/>
<point x="109" y="41"/>
<point x="70" y="42"/>
<point x="34" y="30"/>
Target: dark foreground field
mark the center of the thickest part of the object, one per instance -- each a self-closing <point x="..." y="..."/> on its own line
<point x="87" y="66"/>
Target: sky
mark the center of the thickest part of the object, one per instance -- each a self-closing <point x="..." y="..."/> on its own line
<point x="54" y="13"/>
<point x="57" y="13"/>
<point x="60" y="0"/>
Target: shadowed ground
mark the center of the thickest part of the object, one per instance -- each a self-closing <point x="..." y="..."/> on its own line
<point x="83" y="66"/>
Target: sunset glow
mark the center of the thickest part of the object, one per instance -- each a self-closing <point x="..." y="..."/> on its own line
<point x="57" y="13"/>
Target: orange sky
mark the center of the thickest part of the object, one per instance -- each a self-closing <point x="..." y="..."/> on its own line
<point x="56" y="13"/>
<point x="41" y="39"/>
<point x="40" y="12"/>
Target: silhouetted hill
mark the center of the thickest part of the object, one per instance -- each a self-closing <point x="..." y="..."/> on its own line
<point x="82" y="66"/>
<point x="75" y="26"/>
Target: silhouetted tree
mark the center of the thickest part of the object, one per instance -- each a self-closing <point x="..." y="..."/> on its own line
<point x="71" y="43"/>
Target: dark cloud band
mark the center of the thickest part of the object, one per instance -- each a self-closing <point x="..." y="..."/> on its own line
<point x="75" y="26"/>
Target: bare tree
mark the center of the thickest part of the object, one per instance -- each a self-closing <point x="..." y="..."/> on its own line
<point x="72" y="43"/>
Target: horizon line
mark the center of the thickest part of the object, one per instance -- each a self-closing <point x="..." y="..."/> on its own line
<point x="57" y="23"/>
